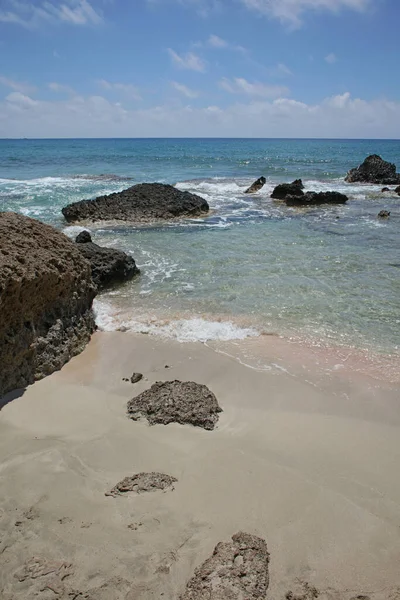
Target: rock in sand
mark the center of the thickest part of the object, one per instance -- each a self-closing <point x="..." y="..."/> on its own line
<point x="374" y="170"/>
<point x="256" y="186"/>
<point x="143" y="482"/>
<point x="145" y="202"/>
<point x="184" y="402"/>
<point x="237" y="570"/>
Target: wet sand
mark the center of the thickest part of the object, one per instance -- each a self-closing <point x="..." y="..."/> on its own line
<point x="303" y="456"/>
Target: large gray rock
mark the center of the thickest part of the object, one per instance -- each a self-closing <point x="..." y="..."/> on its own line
<point x="237" y="570"/>
<point x="145" y="202"/>
<point x="184" y="402"/>
<point x="374" y="170"/>
<point x="283" y="190"/>
<point x="109" y="266"/>
<point x="46" y="294"/>
<point x="313" y="198"/>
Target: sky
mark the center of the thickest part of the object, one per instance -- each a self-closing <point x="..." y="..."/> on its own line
<point x="199" y="68"/>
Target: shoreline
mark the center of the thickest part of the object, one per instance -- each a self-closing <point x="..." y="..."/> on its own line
<point x="304" y="459"/>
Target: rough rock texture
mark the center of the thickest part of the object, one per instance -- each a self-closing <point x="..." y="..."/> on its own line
<point x="143" y="482"/>
<point x="143" y="202"/>
<point x="312" y="198"/>
<point x="46" y="294"/>
<point x="182" y="402"/>
<point x="256" y="186"/>
<point x="237" y="570"/>
<point x="374" y="170"/>
<point x="384" y="214"/>
<point x="288" y="189"/>
<point x="109" y="266"/>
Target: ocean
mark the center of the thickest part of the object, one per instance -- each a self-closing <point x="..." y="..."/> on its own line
<point x="328" y="276"/>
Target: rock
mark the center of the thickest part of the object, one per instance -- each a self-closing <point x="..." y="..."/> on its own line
<point x="46" y="295"/>
<point x="385" y="189"/>
<point x="182" y="402"/>
<point x="257" y="185"/>
<point x="302" y="591"/>
<point x="141" y="203"/>
<point x="283" y="190"/>
<point x="384" y="214"/>
<point x="313" y="198"/>
<point x="397" y="190"/>
<point x="143" y="482"/>
<point x="83" y="237"/>
<point x="374" y="170"/>
<point x="136" y="377"/>
<point x="237" y="570"/>
<point x="109" y="266"/>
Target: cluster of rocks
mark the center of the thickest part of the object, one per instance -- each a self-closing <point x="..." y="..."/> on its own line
<point x="293" y="195"/>
<point x="374" y="170"/>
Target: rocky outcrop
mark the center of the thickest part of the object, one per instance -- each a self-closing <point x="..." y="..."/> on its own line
<point x="143" y="482"/>
<point x="283" y="190"/>
<point x="46" y="294"/>
<point x="384" y="214"/>
<point x="237" y="570"/>
<point x="141" y="203"/>
<point x="374" y="170"/>
<point x="184" y="402"/>
<point x="313" y="198"/>
<point x="109" y="266"/>
<point x="256" y="186"/>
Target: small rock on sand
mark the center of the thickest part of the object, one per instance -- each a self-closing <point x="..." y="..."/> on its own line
<point x="184" y="402"/>
<point x="236" y="570"/>
<point x="143" y="482"/>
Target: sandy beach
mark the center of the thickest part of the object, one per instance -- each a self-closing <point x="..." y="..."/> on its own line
<point x="309" y="463"/>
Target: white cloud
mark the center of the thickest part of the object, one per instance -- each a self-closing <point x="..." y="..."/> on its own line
<point x="187" y="61"/>
<point x="94" y="116"/>
<point x="17" y="86"/>
<point x="32" y="14"/>
<point x="60" y="88"/>
<point x="331" y="58"/>
<point x="291" y="11"/>
<point x="239" y="85"/>
<point x="127" y="89"/>
<point x="216" y="42"/>
<point x="183" y="89"/>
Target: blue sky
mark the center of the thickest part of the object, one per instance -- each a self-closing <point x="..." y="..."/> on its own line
<point x="258" y="68"/>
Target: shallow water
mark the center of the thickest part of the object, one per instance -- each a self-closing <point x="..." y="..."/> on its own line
<point x="329" y="275"/>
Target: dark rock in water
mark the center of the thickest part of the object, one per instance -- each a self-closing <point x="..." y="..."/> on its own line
<point x="283" y="190"/>
<point x="83" y="237"/>
<point x="385" y="189"/>
<point x="374" y="170"/>
<point x="141" y="203"/>
<point x="46" y="295"/>
<point x="136" y="377"/>
<point x="384" y="214"/>
<point x="182" y="402"/>
<point x="313" y="198"/>
<point x="237" y="570"/>
<point x="109" y="266"/>
<point x="143" y="482"/>
<point x="397" y="190"/>
<point x="257" y="185"/>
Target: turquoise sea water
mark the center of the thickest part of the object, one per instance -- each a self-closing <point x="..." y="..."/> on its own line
<point x="330" y="275"/>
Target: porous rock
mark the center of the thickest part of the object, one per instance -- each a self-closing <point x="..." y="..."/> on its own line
<point x="313" y="198"/>
<point x="46" y="295"/>
<point x="143" y="482"/>
<point x="184" y="402"/>
<point x="109" y="266"/>
<point x="283" y="190"/>
<point x="374" y="170"/>
<point x="256" y="186"/>
<point x="140" y="203"/>
<point x="237" y="570"/>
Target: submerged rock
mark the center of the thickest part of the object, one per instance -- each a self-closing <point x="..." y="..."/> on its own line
<point x="374" y="170"/>
<point x="256" y="186"/>
<point x="397" y="190"/>
<point x="143" y="482"/>
<point x="109" y="266"/>
<point x="311" y="198"/>
<point x="385" y="189"/>
<point x="283" y="190"/>
<point x="141" y="203"/>
<point x="237" y="570"/>
<point x="184" y="402"/>
<point x="384" y="214"/>
<point x="46" y="295"/>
